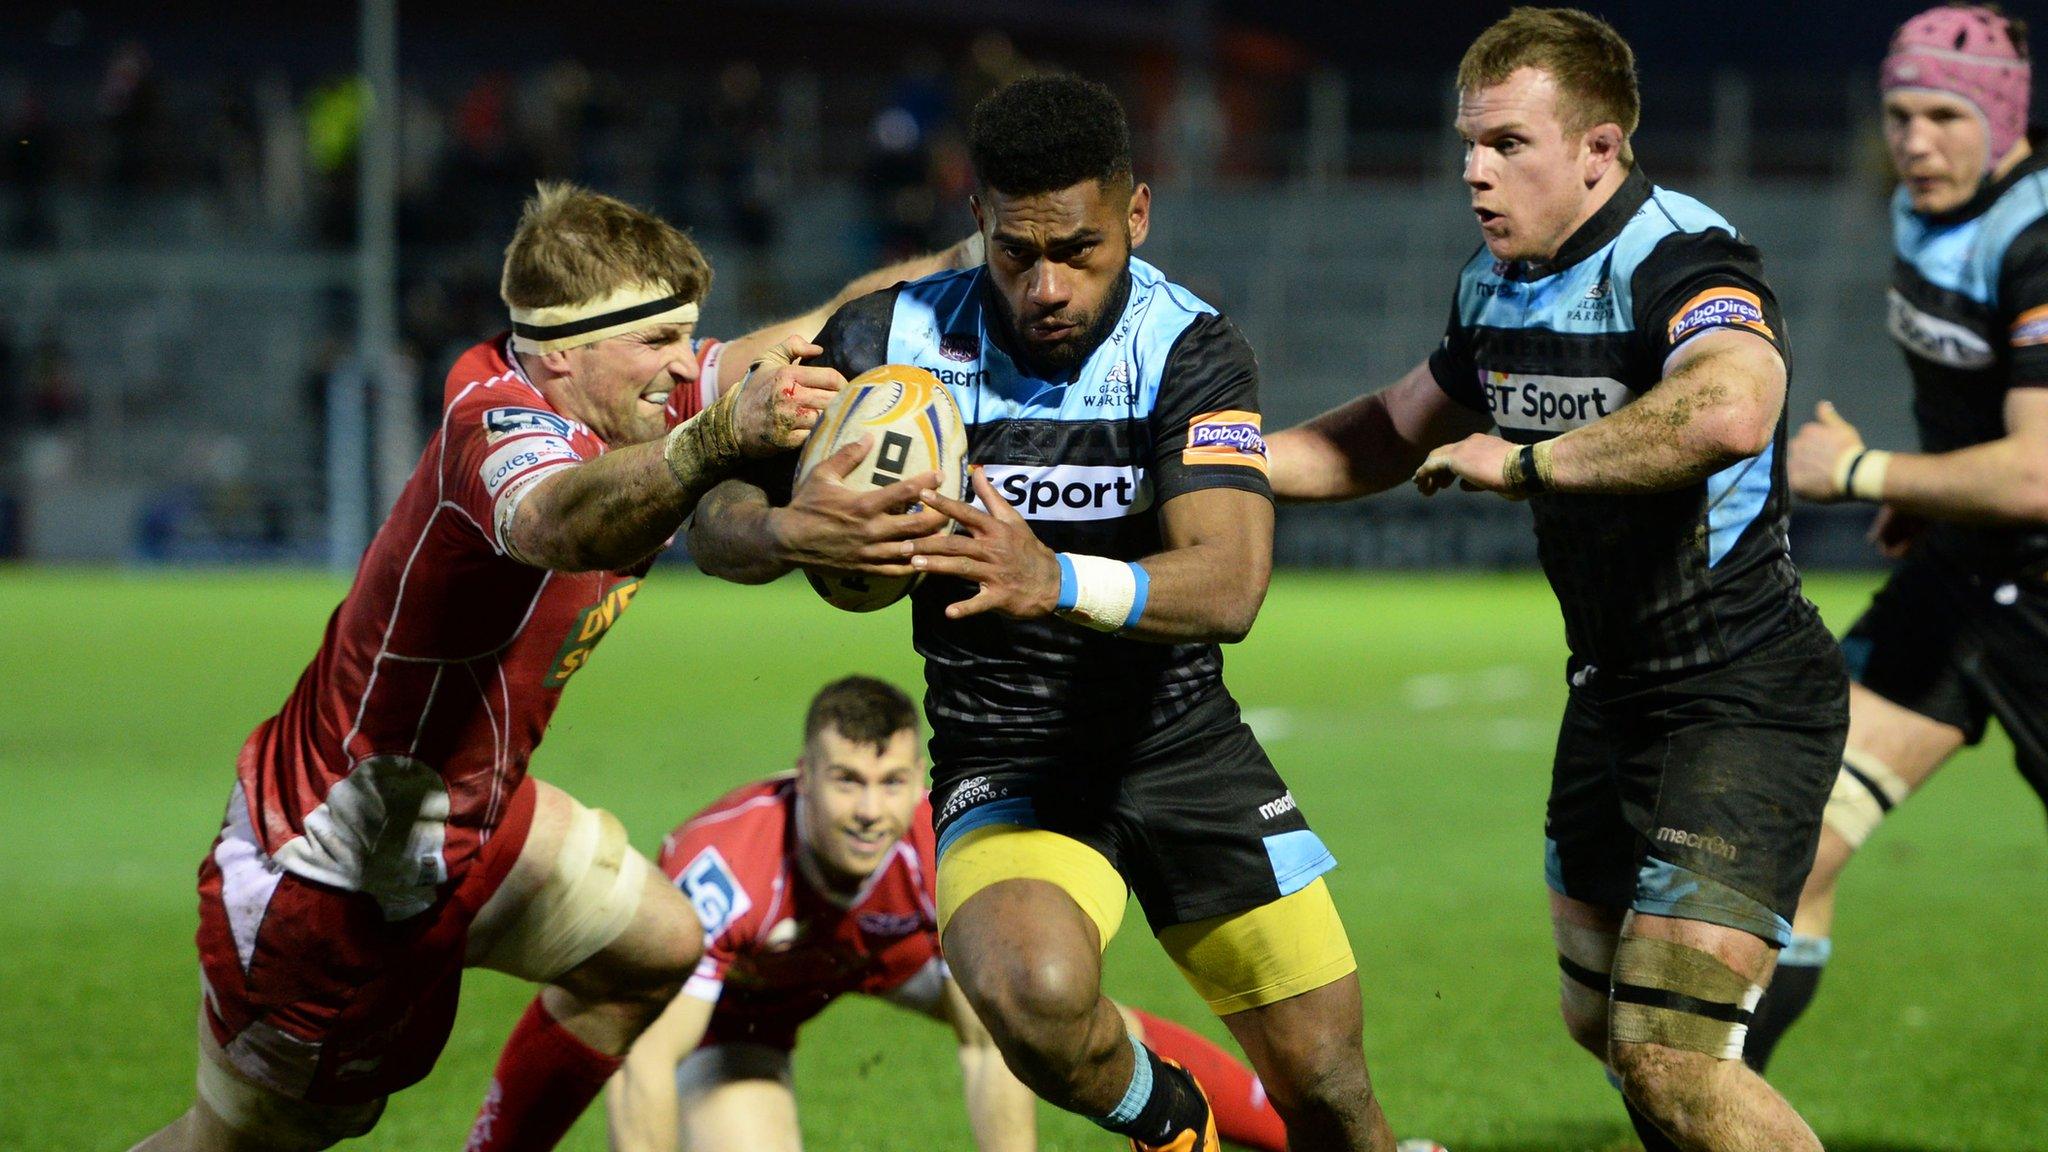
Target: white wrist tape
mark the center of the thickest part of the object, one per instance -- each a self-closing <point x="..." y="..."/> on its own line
<point x="1843" y="464"/>
<point x="1100" y="593"/>
<point x="1865" y="480"/>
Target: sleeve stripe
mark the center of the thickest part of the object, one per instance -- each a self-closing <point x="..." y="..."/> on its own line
<point x="527" y="475"/>
<point x="707" y="375"/>
<point x="2030" y="328"/>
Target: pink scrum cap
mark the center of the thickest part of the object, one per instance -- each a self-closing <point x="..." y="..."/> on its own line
<point x="1966" y="52"/>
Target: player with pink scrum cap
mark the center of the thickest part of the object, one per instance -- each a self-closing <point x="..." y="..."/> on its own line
<point x="1959" y="633"/>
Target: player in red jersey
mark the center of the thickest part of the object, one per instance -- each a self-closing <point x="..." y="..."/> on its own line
<point x="383" y="832"/>
<point x="820" y="883"/>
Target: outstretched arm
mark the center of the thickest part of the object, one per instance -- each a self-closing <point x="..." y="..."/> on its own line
<point x="739" y="353"/>
<point x="640" y="1100"/>
<point x="622" y="507"/>
<point x="1371" y="443"/>
<point x="2003" y="481"/>
<point x="1717" y="404"/>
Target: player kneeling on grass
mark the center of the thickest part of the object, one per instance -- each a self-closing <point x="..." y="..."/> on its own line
<point x="1622" y="339"/>
<point x="817" y="884"/>
<point x="1085" y="747"/>
<point x="383" y="832"/>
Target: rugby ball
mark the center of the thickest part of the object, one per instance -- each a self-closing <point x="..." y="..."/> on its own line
<point x="916" y="428"/>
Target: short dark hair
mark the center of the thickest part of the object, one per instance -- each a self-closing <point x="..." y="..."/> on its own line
<point x="1044" y="133"/>
<point x="862" y="709"/>
<point x="1593" y="67"/>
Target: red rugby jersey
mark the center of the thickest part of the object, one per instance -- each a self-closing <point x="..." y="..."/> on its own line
<point x="392" y="760"/>
<point x="777" y="949"/>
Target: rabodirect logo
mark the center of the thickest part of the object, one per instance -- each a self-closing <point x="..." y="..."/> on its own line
<point x="1071" y="491"/>
<point x="1241" y="436"/>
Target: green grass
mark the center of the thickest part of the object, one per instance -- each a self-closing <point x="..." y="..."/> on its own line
<point x="1413" y="717"/>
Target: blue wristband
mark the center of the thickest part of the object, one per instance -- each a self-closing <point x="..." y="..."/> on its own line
<point x="1070" y="585"/>
<point x="1144" y="579"/>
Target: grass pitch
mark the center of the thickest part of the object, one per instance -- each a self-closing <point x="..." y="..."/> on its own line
<point x="1412" y="716"/>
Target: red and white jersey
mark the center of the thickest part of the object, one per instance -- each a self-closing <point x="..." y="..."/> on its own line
<point x="777" y="948"/>
<point x="684" y="403"/>
<point x="392" y="761"/>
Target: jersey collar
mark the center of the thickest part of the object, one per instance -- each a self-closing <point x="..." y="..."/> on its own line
<point x="1987" y="194"/>
<point x="1595" y="234"/>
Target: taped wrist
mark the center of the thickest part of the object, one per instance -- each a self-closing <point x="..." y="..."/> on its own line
<point x="1679" y="997"/>
<point x="1859" y="473"/>
<point x="1100" y="593"/>
<point x="1527" y="470"/>
<point x="706" y="446"/>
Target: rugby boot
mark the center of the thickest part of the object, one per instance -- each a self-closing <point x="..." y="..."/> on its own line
<point x="1188" y="1139"/>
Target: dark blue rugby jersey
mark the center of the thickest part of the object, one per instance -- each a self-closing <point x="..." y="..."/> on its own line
<point x="1969" y="305"/>
<point x="1168" y="404"/>
<point x="1647" y="583"/>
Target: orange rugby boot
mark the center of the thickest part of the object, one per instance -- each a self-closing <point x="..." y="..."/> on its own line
<point x="1188" y="1139"/>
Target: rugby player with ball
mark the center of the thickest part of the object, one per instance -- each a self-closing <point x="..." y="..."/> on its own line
<point x="1084" y="747"/>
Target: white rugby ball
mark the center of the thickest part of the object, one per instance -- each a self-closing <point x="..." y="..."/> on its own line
<point x="916" y="428"/>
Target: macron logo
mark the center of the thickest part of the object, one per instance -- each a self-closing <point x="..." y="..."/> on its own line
<point x="1280" y="807"/>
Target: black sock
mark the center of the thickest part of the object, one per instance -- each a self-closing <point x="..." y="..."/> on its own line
<point x="1653" y="1137"/>
<point x="1172" y="1104"/>
<point x="1784" y="1002"/>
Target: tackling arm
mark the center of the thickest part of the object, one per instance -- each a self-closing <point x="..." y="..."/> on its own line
<point x="738" y="354"/>
<point x="1369" y="444"/>
<point x="2003" y="481"/>
<point x="622" y="507"/>
<point x="640" y="1101"/>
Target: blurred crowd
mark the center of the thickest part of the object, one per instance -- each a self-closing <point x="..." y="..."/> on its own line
<point x="105" y="160"/>
<point x="277" y="152"/>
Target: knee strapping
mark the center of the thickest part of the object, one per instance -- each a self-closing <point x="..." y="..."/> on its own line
<point x="1865" y="790"/>
<point x="1679" y="997"/>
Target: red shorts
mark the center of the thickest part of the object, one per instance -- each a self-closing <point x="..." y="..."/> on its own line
<point x="310" y="991"/>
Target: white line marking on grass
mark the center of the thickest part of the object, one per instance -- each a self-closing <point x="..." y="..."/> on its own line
<point x="1498" y="684"/>
<point x="1270" y="725"/>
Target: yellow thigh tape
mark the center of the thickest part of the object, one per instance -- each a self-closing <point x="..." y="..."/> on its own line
<point x="1264" y="955"/>
<point x="997" y="852"/>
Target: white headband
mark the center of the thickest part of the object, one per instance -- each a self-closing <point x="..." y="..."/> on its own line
<point x="541" y="330"/>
